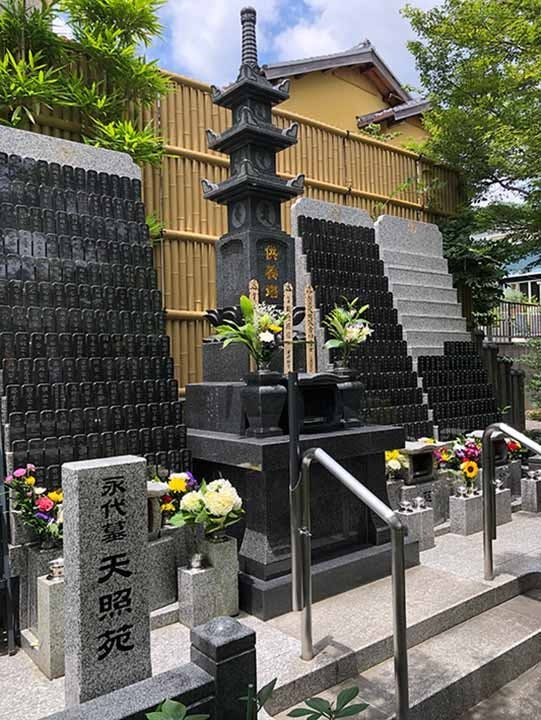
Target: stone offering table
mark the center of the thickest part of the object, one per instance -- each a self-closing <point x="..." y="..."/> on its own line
<point x="350" y="546"/>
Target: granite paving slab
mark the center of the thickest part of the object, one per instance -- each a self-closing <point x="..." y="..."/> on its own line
<point x="518" y="700"/>
<point x="352" y="630"/>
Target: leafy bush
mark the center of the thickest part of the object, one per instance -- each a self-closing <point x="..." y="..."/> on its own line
<point x="533" y="361"/>
<point x="100" y="72"/>
<point x="172" y="710"/>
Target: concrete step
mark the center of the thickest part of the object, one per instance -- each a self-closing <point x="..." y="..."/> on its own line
<point x="455" y="670"/>
<point x="424" y="338"/>
<point x="399" y="258"/>
<point x="432" y="309"/>
<point x="518" y="700"/>
<point x="442" y="323"/>
<point x="414" y="290"/>
<point x="353" y="631"/>
<point x="421" y="278"/>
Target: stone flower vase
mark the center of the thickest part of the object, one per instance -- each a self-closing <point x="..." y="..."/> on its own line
<point x="515" y="476"/>
<point x="221" y="553"/>
<point x="209" y="587"/>
<point x="263" y="400"/>
<point x="20" y="533"/>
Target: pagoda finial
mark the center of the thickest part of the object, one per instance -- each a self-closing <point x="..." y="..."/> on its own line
<point x="249" y="42"/>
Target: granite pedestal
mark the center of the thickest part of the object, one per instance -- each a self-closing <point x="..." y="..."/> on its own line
<point x="350" y="545"/>
<point x="466" y="514"/>
<point x="211" y="591"/>
<point x="420" y="524"/>
<point x="531" y="494"/>
<point x="45" y="643"/>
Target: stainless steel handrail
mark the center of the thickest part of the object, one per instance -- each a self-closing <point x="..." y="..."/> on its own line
<point x="302" y="562"/>
<point x="489" y="486"/>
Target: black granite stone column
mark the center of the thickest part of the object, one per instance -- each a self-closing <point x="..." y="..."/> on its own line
<point x="225" y="649"/>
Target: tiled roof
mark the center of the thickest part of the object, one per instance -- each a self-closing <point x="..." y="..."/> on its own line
<point x="362" y="54"/>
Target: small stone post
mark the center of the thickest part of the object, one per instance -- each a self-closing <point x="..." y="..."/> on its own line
<point x="225" y="649"/>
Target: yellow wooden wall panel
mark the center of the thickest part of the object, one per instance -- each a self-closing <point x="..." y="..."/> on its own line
<point x="340" y="167"/>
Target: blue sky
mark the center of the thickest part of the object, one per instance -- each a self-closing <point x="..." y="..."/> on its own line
<point x="202" y="37"/>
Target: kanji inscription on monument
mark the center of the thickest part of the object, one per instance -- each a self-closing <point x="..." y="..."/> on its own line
<point x="106" y="599"/>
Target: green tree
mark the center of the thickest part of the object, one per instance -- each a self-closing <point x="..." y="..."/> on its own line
<point x="477" y="264"/>
<point x="480" y="62"/>
<point x="100" y="72"/>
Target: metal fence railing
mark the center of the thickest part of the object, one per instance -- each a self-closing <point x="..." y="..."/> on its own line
<point x="514" y="321"/>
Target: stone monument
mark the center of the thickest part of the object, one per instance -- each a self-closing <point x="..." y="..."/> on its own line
<point x="350" y="545"/>
<point x="106" y="612"/>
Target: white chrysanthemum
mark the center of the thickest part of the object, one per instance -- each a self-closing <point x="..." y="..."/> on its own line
<point x="221" y="498"/>
<point x="192" y="501"/>
<point x="394" y="465"/>
<point x="266" y="337"/>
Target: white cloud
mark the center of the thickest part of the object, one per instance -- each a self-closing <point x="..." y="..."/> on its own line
<point x="203" y="37"/>
<point x="334" y="25"/>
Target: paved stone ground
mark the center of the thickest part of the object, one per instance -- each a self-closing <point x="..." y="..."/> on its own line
<point x="450" y="573"/>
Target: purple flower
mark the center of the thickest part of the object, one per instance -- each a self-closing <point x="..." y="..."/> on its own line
<point x="31" y="467"/>
<point x="20" y="472"/>
<point x="191" y="482"/>
<point x="43" y="516"/>
<point x="9" y="479"/>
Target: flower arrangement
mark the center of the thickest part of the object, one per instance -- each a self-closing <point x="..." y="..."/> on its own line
<point x="462" y="459"/>
<point x="347" y="328"/>
<point x="179" y="484"/>
<point x="260" y="330"/>
<point x="395" y="462"/>
<point x="215" y="505"/>
<point x="515" y="450"/>
<point x="41" y="511"/>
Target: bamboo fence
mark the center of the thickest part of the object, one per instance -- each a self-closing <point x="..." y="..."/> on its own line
<point x="340" y="167"/>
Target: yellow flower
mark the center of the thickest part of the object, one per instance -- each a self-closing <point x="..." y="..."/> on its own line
<point x="445" y="455"/>
<point x="167" y="507"/>
<point x="470" y="469"/>
<point x="30" y="480"/>
<point x="392" y="455"/>
<point x="57" y="496"/>
<point x="178" y="482"/>
<point x="275" y="328"/>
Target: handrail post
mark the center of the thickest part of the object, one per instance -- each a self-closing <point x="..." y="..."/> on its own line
<point x="400" y="623"/>
<point x="305" y="533"/>
<point x="489" y="502"/>
<point x="295" y="492"/>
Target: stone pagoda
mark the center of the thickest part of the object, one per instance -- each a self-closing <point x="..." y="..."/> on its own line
<point x="255" y="246"/>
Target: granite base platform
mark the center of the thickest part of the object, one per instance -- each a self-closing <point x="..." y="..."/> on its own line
<point x="350" y="546"/>
<point x="267" y="599"/>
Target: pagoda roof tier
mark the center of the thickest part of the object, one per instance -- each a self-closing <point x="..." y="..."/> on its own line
<point x="249" y="182"/>
<point x="248" y="131"/>
<point x="250" y="83"/>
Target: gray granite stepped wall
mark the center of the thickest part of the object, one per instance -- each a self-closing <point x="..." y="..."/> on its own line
<point x="421" y="284"/>
<point x="394" y="398"/>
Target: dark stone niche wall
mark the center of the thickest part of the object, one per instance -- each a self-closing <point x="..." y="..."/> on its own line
<point x="343" y="261"/>
<point x="86" y="366"/>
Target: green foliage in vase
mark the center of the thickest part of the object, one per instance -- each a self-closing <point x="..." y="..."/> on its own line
<point x="480" y="65"/>
<point x="347" y="328"/>
<point x="317" y="708"/>
<point x="172" y="710"/>
<point x="99" y="73"/>
<point x="259" y="330"/>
